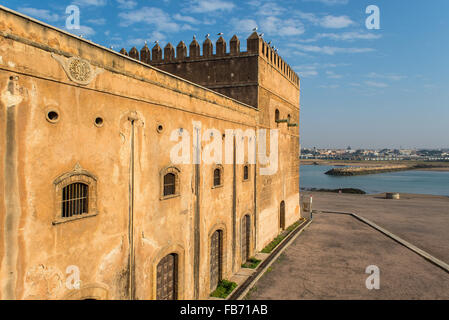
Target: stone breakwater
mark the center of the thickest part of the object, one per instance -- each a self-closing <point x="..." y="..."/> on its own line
<point x="355" y="171"/>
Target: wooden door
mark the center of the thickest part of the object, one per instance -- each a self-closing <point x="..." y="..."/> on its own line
<point x="215" y="259"/>
<point x="246" y="236"/>
<point x="167" y="278"/>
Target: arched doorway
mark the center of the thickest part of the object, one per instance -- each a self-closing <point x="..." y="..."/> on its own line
<point x="216" y="259"/>
<point x="282" y="216"/>
<point x="246" y="237"/>
<point x="167" y="278"/>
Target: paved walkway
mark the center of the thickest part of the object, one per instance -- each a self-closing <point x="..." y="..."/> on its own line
<point x="329" y="259"/>
<point x="422" y="220"/>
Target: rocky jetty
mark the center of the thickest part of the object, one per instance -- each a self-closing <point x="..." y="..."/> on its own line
<point x="355" y="171"/>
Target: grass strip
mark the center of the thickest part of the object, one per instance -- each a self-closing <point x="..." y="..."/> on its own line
<point x="273" y="244"/>
<point x="224" y="288"/>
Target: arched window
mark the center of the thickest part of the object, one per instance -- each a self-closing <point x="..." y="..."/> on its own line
<point x="246" y="172"/>
<point x="289" y="117"/>
<point x="216" y="259"/>
<point x="246" y="237"/>
<point x="282" y="215"/>
<point x="167" y="278"/>
<point x="169" y="183"/>
<point x="217" y="177"/>
<point x="76" y="195"/>
<point x="277" y="115"/>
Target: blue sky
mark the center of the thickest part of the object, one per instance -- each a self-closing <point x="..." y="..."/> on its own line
<point x="359" y="87"/>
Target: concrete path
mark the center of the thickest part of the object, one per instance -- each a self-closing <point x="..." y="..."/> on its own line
<point x="422" y="220"/>
<point x="329" y="259"/>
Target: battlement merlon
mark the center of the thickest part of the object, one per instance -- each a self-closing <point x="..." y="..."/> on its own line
<point x="256" y="46"/>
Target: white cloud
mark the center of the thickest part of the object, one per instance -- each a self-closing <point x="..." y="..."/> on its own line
<point x="333" y="75"/>
<point x="243" y="25"/>
<point x="389" y="76"/>
<point x="310" y="17"/>
<point x="40" y="14"/>
<point x="136" y="42"/>
<point x="311" y="70"/>
<point x="96" y="3"/>
<point x="307" y="73"/>
<point x="83" y="31"/>
<point x="98" y="22"/>
<point x="317" y="65"/>
<point x="349" y="36"/>
<point x="270" y="9"/>
<point x="188" y="19"/>
<point x="151" y="16"/>
<point x="344" y="36"/>
<point x="328" y="49"/>
<point x="330" y="86"/>
<point x="157" y="35"/>
<point x="336" y="22"/>
<point x="328" y="21"/>
<point x="330" y="2"/>
<point x="282" y="27"/>
<point x="203" y="6"/>
<point x="376" y="84"/>
<point x="127" y="4"/>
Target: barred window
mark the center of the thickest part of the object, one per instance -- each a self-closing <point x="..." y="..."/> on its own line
<point x="169" y="184"/>
<point x="75" y="195"/>
<point x="245" y="173"/>
<point x="217" y="177"/>
<point x="75" y="198"/>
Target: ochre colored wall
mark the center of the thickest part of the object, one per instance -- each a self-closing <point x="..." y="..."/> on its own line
<point x="34" y="252"/>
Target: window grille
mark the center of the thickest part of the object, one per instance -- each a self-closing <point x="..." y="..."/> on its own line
<point x="75" y="199"/>
<point x="245" y="173"/>
<point x="217" y="177"/>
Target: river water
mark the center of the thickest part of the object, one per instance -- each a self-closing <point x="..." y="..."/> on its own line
<point x="420" y="182"/>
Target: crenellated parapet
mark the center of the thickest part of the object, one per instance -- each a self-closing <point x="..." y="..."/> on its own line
<point x="256" y="45"/>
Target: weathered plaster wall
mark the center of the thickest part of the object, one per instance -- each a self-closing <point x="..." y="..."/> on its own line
<point x="35" y="253"/>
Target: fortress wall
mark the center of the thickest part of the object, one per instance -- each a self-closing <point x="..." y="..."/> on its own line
<point x="41" y="251"/>
<point x="38" y="252"/>
<point x="277" y="92"/>
<point x="234" y="77"/>
<point x="235" y="74"/>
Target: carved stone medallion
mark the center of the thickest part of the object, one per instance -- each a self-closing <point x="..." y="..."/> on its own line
<point x="77" y="69"/>
<point x="80" y="70"/>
